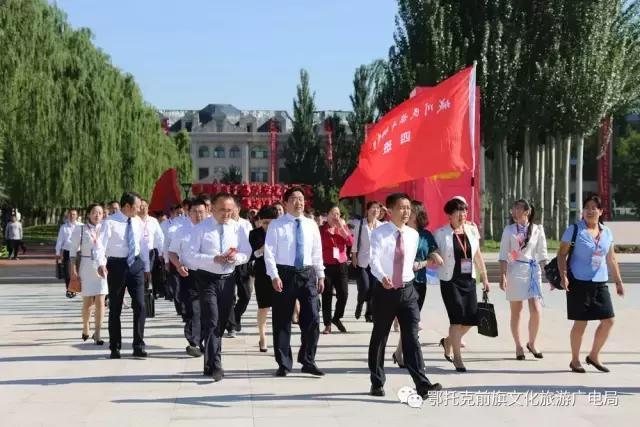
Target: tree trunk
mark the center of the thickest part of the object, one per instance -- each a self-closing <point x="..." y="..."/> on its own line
<point x="579" y="168"/>
<point x="504" y="193"/>
<point x="526" y="163"/>
<point x="566" y="194"/>
<point x="540" y="173"/>
<point x="551" y="178"/>
<point x="520" y="190"/>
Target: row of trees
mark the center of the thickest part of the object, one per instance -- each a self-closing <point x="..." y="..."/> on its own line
<point x="73" y="128"/>
<point x="550" y="71"/>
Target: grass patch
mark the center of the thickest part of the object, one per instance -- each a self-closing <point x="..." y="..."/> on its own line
<point x="494" y="246"/>
<point x="41" y="233"/>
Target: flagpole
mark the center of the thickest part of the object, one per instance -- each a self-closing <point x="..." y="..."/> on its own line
<point x="472" y="134"/>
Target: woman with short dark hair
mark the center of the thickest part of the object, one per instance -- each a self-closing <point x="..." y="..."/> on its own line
<point x="585" y="280"/>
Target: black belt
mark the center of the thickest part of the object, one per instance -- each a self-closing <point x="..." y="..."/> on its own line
<point x="294" y="269"/>
<point x="117" y="258"/>
<point x="216" y="275"/>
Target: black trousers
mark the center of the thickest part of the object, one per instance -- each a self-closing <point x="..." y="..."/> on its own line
<point x="298" y="285"/>
<point x="243" y="287"/>
<point x="173" y="288"/>
<point x="66" y="268"/>
<point x="365" y="281"/>
<point x="190" y="298"/>
<point x="119" y="277"/>
<point x="422" y="293"/>
<point x="387" y="305"/>
<point x="336" y="276"/>
<point x="157" y="273"/>
<point x="216" y="300"/>
<point x="13" y="246"/>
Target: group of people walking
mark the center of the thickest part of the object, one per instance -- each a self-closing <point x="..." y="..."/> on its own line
<point x="211" y="256"/>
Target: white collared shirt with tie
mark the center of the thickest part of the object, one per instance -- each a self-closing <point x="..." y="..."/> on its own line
<point x="280" y="245"/>
<point x="210" y="239"/>
<point x="114" y="239"/>
<point x="63" y="242"/>
<point x="383" y="247"/>
<point x="152" y="233"/>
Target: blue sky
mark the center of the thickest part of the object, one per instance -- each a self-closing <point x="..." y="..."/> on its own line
<point x="186" y="54"/>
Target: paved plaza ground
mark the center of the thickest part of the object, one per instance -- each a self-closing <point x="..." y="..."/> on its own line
<point x="48" y="376"/>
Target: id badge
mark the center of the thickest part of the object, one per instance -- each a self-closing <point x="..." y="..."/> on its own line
<point x="596" y="260"/>
<point x="94" y="254"/>
<point x="336" y="253"/>
<point x="465" y="266"/>
<point x="514" y="255"/>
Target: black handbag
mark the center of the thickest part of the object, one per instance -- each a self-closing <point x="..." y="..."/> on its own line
<point x="149" y="303"/>
<point x="487" y="323"/>
<point x="551" y="270"/>
<point x="59" y="270"/>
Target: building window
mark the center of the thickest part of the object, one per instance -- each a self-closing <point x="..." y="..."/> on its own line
<point x="203" y="151"/>
<point x="234" y="153"/>
<point x="259" y="153"/>
<point x="249" y="127"/>
<point x="203" y="173"/>
<point x="259" y="175"/>
<point x="218" y="152"/>
<point x="219" y="126"/>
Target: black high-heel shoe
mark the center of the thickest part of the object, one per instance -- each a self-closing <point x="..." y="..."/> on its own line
<point x="577" y="369"/>
<point x="85" y="337"/>
<point x="262" y="349"/>
<point x="395" y="360"/>
<point x="446" y="356"/>
<point x="520" y="356"/>
<point x="536" y="355"/>
<point x="598" y="366"/>
<point x="97" y="341"/>
<point x="460" y="368"/>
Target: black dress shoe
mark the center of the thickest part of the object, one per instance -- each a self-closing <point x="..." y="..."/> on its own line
<point x="598" y="366"/>
<point x="377" y="391"/>
<point x="368" y="318"/>
<point x="578" y="369"/>
<point x="115" y="354"/>
<point x="282" y="372"/>
<point x="193" y="351"/>
<point x="536" y="355"/>
<point x="424" y="393"/>
<point x="313" y="370"/>
<point x="217" y="375"/>
<point x="139" y="353"/>
<point x="339" y="325"/>
<point x="358" y="310"/>
<point x="206" y="372"/>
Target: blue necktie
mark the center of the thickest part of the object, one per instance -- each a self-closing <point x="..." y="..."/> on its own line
<point x="131" y="244"/>
<point x="299" y="261"/>
<point x="221" y="238"/>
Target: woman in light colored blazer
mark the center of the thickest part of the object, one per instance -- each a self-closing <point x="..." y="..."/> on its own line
<point x="459" y="246"/>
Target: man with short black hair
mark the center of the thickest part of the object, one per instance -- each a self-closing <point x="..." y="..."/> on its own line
<point x="218" y="245"/>
<point x="293" y="259"/>
<point x="124" y="261"/>
<point x="393" y="249"/>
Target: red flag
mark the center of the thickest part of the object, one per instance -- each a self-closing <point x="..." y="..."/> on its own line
<point x="430" y="134"/>
<point x="166" y="192"/>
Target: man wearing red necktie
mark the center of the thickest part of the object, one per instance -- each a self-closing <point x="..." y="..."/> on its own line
<point x="393" y="250"/>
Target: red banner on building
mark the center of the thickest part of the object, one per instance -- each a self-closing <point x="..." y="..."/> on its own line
<point x="432" y="133"/>
<point x="273" y="129"/>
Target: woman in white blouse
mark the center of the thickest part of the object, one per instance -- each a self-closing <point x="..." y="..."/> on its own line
<point x="360" y="257"/>
<point x="85" y="242"/>
<point x="523" y="249"/>
<point x="459" y="246"/>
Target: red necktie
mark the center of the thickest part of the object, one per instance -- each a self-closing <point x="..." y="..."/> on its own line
<point x="398" y="262"/>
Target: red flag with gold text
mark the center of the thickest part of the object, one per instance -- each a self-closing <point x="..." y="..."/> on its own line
<point x="430" y="134"/>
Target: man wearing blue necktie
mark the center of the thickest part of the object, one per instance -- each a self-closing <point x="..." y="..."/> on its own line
<point x="293" y="257"/>
<point x="124" y="260"/>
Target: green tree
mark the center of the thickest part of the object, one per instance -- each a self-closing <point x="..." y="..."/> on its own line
<point x="232" y="176"/>
<point x="303" y="158"/>
<point x="185" y="164"/>
<point x="627" y="171"/>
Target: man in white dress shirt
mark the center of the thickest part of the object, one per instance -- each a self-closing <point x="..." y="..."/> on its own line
<point x="243" y="282"/>
<point x="124" y="261"/>
<point x="173" y="278"/>
<point x="188" y="290"/>
<point x="293" y="257"/>
<point x="393" y="250"/>
<point x="62" y="246"/>
<point x="154" y="237"/>
<point x="218" y="245"/>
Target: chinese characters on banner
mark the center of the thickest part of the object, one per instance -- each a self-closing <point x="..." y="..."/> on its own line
<point x="432" y="133"/>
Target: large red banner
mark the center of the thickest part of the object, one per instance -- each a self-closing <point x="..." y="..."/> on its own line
<point x="430" y="134"/>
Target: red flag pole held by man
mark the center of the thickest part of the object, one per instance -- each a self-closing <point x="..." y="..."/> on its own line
<point x="431" y="134"/>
